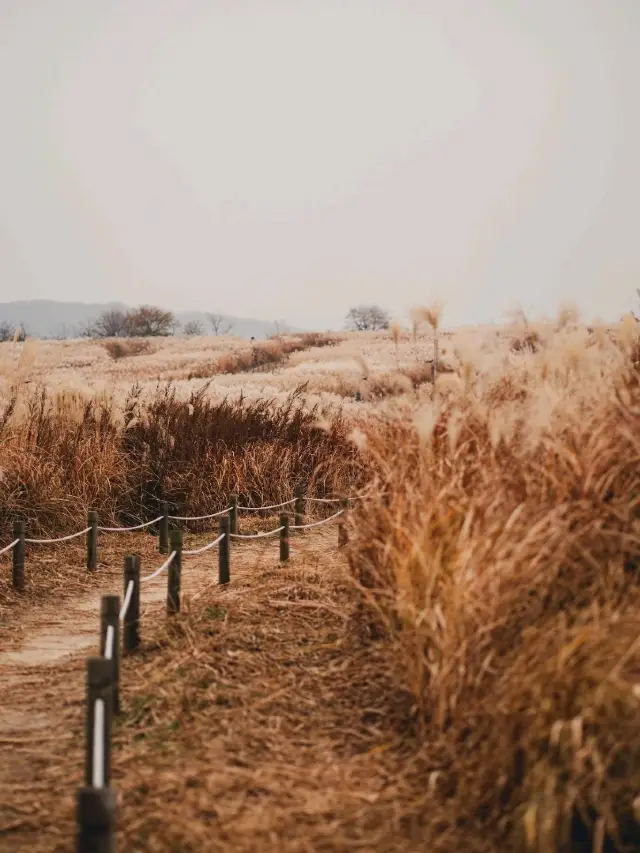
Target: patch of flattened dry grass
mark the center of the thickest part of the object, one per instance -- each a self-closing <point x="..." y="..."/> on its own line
<point x="260" y="727"/>
<point x="501" y="561"/>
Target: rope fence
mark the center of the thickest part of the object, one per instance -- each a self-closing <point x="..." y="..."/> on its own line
<point x="264" y="508"/>
<point x="8" y="548"/>
<point x="129" y="529"/>
<point x="199" y="517"/>
<point x="159" y="571"/>
<point x="59" y="539"/>
<point x="256" y="535"/>
<point x="317" y="523"/>
<point x="120" y="632"/>
<point x="108" y="645"/>
<point x="204" y="548"/>
<point x="18" y="546"/>
<point x="127" y="600"/>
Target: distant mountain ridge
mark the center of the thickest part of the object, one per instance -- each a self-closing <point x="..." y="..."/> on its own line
<point x="45" y="318"/>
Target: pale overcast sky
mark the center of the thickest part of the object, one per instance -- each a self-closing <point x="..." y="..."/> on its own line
<point x="291" y="159"/>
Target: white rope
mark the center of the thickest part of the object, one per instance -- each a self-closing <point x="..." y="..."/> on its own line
<point x="159" y="571"/>
<point x="204" y="547"/>
<point x="315" y="523"/>
<point x="9" y="547"/>
<point x="127" y="529"/>
<point x="198" y="517"/>
<point x="255" y="535"/>
<point x="61" y="539"/>
<point x="108" y="642"/>
<point x="97" y="775"/>
<point x="324" y="500"/>
<point x="272" y="506"/>
<point x="127" y="601"/>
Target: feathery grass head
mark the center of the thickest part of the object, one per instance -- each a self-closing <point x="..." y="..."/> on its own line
<point x="361" y="361"/>
<point x="430" y="314"/>
<point x="628" y="331"/>
<point x="568" y="315"/>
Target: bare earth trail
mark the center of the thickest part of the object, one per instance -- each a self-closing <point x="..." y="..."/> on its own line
<point x="54" y="641"/>
<point x="249" y="722"/>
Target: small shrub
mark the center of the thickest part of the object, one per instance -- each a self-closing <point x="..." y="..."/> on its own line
<point x="127" y="348"/>
<point x="320" y="339"/>
<point x="529" y="342"/>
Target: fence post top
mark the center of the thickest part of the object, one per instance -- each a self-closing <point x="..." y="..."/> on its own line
<point x="225" y="521"/>
<point x="110" y="605"/>
<point x="99" y="671"/>
<point x="176" y="537"/>
<point x="131" y="565"/>
<point x="92" y="515"/>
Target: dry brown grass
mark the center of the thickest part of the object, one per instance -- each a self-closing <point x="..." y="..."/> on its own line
<point x="62" y="455"/>
<point x="85" y="368"/>
<point x="473" y="688"/>
<point x="127" y="348"/>
<point x="500" y="557"/>
<point x="264" y="355"/>
<point x="256" y="720"/>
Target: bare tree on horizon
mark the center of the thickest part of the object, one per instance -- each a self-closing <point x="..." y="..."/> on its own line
<point x="367" y="318"/>
<point x="220" y="324"/>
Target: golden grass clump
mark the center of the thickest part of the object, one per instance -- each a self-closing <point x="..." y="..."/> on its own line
<point x="498" y="553"/>
<point x="264" y="355"/>
<point x="127" y="347"/>
<point x="61" y="454"/>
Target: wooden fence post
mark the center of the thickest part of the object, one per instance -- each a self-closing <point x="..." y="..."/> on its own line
<point x="299" y="507"/>
<point x="96" y="820"/>
<point x="342" y="523"/>
<point x="163" y="534"/>
<point x="99" y="686"/>
<point x="233" y="514"/>
<point x="175" y="570"/>
<point x="110" y="617"/>
<point x="224" y="552"/>
<point x="92" y="541"/>
<point x="284" y="537"/>
<point x="18" y="556"/>
<point x="131" y="628"/>
<point x="434" y="368"/>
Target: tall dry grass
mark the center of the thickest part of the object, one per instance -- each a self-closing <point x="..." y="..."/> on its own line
<point x="498" y="553"/>
<point x="62" y="454"/>
<point x="264" y="355"/>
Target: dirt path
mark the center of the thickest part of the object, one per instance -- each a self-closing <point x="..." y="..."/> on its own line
<point x="48" y="655"/>
<point x="249" y="722"/>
